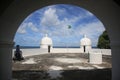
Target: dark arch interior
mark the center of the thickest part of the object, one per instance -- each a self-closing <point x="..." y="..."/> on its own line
<point x="102" y="12"/>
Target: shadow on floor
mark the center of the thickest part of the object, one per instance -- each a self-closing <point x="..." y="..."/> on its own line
<point x="95" y="74"/>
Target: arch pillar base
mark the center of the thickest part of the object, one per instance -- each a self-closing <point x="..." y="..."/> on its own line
<point x="115" y="62"/>
<point x="6" y="60"/>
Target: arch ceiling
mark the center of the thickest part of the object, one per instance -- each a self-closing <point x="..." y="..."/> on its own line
<point x="106" y="10"/>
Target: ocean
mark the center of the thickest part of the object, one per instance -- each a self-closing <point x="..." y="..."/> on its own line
<point x="31" y="47"/>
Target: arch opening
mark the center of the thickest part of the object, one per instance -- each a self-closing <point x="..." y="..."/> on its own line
<point x="48" y="29"/>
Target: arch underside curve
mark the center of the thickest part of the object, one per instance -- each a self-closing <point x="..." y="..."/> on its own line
<point x="106" y="10"/>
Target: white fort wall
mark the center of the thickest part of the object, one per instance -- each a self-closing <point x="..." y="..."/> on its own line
<point x="66" y="50"/>
<point x="103" y="51"/>
<point x="80" y="50"/>
<point x="38" y="51"/>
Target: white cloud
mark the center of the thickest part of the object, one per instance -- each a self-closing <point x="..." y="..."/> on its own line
<point x="52" y="24"/>
<point x="50" y="18"/>
<point x="32" y="27"/>
<point x="23" y="27"/>
<point x="92" y="30"/>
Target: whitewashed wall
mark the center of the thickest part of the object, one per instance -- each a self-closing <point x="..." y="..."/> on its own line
<point x="38" y="51"/>
<point x="66" y="50"/>
<point x="103" y="51"/>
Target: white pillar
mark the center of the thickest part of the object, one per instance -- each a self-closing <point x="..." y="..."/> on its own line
<point x="6" y="60"/>
<point x="95" y="58"/>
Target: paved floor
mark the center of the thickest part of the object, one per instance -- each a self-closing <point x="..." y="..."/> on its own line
<point x="58" y="66"/>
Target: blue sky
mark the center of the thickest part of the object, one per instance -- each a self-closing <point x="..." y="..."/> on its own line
<point x="54" y="20"/>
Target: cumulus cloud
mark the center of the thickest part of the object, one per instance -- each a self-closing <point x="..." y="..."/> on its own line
<point x="55" y="22"/>
<point x="50" y="18"/>
<point x="51" y="23"/>
<point x="32" y="27"/>
<point x="23" y="27"/>
<point x="92" y="30"/>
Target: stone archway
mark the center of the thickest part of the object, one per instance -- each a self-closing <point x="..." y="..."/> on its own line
<point x="106" y="10"/>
